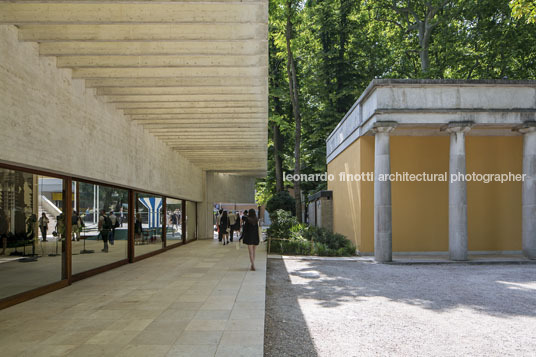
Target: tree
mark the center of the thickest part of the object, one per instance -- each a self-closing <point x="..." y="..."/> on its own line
<point x="294" y="98"/>
<point x="420" y="16"/>
<point x="524" y="8"/>
<point x="324" y="53"/>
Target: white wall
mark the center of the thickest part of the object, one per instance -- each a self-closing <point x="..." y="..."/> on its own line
<point x="50" y="121"/>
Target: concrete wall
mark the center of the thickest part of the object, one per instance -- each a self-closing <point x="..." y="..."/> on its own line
<point x="222" y="188"/>
<point x="50" y="121"/>
<point x="493" y="105"/>
<point x="420" y="209"/>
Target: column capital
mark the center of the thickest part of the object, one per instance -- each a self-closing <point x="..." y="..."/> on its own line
<point x="458" y="126"/>
<point x="526" y="127"/>
<point x="384" y="126"/>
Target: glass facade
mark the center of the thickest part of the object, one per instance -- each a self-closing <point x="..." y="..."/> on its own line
<point x="54" y="230"/>
<point x="174" y="220"/>
<point x="32" y="231"/>
<point x="148" y="220"/>
<point x="99" y="226"/>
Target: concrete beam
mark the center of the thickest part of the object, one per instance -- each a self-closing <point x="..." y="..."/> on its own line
<point x="168" y="72"/>
<point x="115" y="13"/>
<point x="214" y="98"/>
<point x="248" y="47"/>
<point x="204" y="127"/>
<point x="146" y="32"/>
<point x="197" y="121"/>
<point x="207" y="90"/>
<point x="154" y="113"/>
<point x="253" y="107"/>
<point x="259" y="81"/>
<point x="164" y="118"/>
<point x="161" y="61"/>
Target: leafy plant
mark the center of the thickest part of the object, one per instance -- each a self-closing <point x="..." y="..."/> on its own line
<point x="281" y="201"/>
<point x="291" y="237"/>
<point x="282" y="223"/>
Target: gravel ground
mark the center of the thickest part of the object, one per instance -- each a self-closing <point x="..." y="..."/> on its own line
<point x="330" y="308"/>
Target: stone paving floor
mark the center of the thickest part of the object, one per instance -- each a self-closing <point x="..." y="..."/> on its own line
<point x="196" y="300"/>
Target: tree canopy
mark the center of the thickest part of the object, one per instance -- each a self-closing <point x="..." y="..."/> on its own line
<point x="339" y="46"/>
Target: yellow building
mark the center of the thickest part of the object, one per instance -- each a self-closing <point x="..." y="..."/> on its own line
<point x="437" y="166"/>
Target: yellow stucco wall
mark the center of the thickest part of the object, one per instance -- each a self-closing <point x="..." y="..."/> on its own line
<point x="346" y="195"/>
<point x="420" y="209"/>
<point x="494" y="209"/>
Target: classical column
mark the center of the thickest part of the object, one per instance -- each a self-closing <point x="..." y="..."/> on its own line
<point x="457" y="192"/>
<point x="383" y="242"/>
<point x="528" y="200"/>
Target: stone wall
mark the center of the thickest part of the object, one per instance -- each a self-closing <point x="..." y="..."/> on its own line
<point x="50" y="121"/>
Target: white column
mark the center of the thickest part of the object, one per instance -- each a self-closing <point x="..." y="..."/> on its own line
<point x="383" y="242"/>
<point x="457" y="192"/>
<point x="528" y="200"/>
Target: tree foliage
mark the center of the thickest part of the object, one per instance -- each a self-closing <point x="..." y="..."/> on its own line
<point x="524" y="8"/>
<point x="339" y="46"/>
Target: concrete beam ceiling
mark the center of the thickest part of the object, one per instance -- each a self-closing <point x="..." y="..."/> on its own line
<point x="193" y="73"/>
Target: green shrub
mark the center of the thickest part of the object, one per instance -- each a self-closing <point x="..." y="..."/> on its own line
<point x="290" y="237"/>
<point x="282" y="224"/>
<point x="281" y="200"/>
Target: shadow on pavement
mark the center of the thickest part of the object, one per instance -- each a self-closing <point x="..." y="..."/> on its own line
<point x="285" y="329"/>
<point x="497" y="290"/>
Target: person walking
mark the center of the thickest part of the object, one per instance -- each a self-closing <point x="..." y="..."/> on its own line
<point x="250" y="235"/>
<point x="232" y="222"/>
<point x="43" y="225"/>
<point x="218" y="219"/>
<point x="224" y="227"/>
<point x="238" y="224"/>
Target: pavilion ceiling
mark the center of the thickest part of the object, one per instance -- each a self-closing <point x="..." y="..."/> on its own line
<point x="193" y="73"/>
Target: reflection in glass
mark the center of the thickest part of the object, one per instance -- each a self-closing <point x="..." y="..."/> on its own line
<point x="99" y="226"/>
<point x="32" y="231"/>
<point x="148" y="224"/>
<point x="173" y="221"/>
<point x="191" y="221"/>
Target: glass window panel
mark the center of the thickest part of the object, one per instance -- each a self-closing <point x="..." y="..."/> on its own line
<point x="191" y="220"/>
<point x="31" y="246"/>
<point x="173" y="221"/>
<point x="100" y="226"/>
<point x="148" y="224"/>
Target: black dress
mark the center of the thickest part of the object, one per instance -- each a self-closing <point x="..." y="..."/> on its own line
<point x="251" y="233"/>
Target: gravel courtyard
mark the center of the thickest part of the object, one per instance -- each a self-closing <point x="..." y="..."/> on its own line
<point x="337" y="308"/>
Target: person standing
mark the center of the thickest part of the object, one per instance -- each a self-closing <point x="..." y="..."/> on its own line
<point x="105" y="227"/>
<point x="218" y="219"/>
<point x="75" y="228"/>
<point x="251" y="235"/>
<point x="224" y="227"/>
<point x="138" y="228"/>
<point x="121" y="216"/>
<point x="43" y="225"/>
<point x="115" y="224"/>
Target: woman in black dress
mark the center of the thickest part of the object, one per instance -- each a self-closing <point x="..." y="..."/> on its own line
<point x="224" y="225"/>
<point x="251" y="235"/>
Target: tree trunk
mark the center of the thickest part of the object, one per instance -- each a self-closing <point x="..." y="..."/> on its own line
<point x="277" y="159"/>
<point x="293" y="88"/>
<point x="424" y="41"/>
